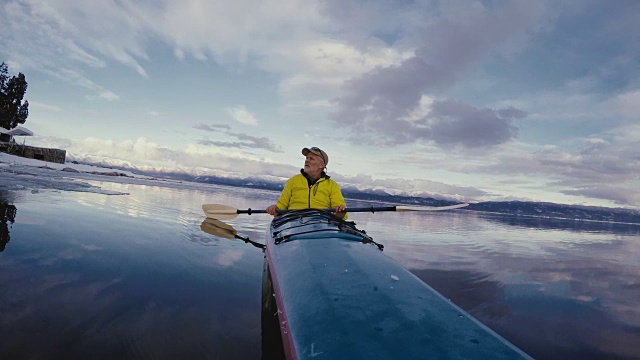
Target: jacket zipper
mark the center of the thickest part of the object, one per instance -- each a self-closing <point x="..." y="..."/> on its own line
<point x="317" y="184"/>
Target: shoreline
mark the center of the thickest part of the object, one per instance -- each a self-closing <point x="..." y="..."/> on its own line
<point x="18" y="173"/>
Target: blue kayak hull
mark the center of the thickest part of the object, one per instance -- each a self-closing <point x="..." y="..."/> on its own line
<point x="341" y="298"/>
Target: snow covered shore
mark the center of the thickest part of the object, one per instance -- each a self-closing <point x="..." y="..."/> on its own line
<point x="17" y="173"/>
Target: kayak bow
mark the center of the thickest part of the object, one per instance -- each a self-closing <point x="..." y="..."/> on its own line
<point x="339" y="297"/>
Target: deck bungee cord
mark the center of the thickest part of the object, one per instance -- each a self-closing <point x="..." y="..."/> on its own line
<point x="303" y="219"/>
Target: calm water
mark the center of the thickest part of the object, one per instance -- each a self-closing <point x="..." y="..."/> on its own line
<point x="96" y="276"/>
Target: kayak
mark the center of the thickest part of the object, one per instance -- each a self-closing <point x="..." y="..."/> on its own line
<point x="338" y="296"/>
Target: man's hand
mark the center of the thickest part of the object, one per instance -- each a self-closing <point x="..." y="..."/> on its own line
<point x="271" y="210"/>
<point x="341" y="211"/>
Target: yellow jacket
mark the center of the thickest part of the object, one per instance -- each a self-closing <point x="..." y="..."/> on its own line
<point x="298" y="194"/>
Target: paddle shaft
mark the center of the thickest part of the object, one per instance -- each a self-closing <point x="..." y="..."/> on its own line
<point x="371" y="209"/>
<point x="224" y="212"/>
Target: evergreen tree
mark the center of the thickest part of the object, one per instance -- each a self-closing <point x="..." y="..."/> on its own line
<point x="13" y="110"/>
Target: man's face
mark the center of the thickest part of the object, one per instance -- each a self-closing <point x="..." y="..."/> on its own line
<point x="313" y="163"/>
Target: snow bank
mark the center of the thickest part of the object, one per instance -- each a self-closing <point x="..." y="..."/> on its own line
<point x="17" y="173"/>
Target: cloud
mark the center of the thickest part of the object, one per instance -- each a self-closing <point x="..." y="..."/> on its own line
<point x="597" y="170"/>
<point x="246" y="142"/>
<point x="105" y="29"/>
<point x="601" y="168"/>
<point x="148" y="155"/>
<point x="33" y="105"/>
<point x="393" y="72"/>
<point x="60" y="38"/>
<point x="615" y="193"/>
<point x="413" y="187"/>
<point x="242" y="115"/>
<point x="449" y="45"/>
<point x="627" y="104"/>
<point x="454" y="123"/>
<point x="315" y="71"/>
<point x="447" y="123"/>
<point x="212" y="127"/>
<point x="294" y="39"/>
<point x="108" y="95"/>
<point x="227" y="32"/>
<point x="243" y="141"/>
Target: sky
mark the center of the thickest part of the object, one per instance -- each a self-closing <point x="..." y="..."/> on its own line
<point x="466" y="100"/>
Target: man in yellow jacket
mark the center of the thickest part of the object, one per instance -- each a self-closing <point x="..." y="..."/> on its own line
<point x="312" y="188"/>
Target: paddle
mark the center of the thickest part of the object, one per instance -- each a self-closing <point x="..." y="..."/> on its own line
<point x="224" y="212"/>
<point x="223" y="230"/>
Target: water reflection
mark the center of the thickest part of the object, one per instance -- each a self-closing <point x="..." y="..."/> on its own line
<point x="558" y="289"/>
<point x="128" y="277"/>
<point x="542" y="223"/>
<point x="223" y="230"/>
<point x="473" y="291"/>
<point x="89" y="280"/>
<point x="272" y="348"/>
<point x="7" y="217"/>
<point x="203" y="239"/>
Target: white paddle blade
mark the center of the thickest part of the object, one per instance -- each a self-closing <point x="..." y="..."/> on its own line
<point x="429" y="208"/>
<point x="220" y="212"/>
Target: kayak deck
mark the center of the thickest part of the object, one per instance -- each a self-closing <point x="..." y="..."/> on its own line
<point x="340" y="297"/>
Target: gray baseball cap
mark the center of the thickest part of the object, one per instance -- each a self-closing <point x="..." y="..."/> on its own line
<point x="317" y="151"/>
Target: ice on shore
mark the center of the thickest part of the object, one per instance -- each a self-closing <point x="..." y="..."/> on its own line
<point x="17" y="173"/>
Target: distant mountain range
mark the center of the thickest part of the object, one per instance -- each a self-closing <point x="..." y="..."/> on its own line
<point x="559" y="211"/>
<point x="518" y="208"/>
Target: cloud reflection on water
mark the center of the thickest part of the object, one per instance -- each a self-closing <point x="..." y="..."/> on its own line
<point x="97" y="273"/>
<point x="572" y="287"/>
<point x="91" y="280"/>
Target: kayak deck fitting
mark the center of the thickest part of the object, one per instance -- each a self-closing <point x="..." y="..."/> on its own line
<point x="339" y="297"/>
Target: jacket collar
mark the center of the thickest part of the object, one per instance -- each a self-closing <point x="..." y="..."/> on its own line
<point x="323" y="175"/>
